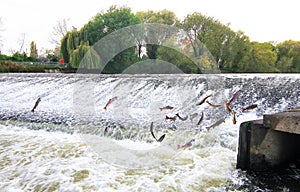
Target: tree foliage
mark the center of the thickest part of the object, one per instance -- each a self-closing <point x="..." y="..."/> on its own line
<point x="33" y="50"/>
<point x="232" y="50"/>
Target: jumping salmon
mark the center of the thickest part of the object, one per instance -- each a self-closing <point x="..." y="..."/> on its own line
<point x="192" y="116"/>
<point x="181" y="118"/>
<point x="217" y="123"/>
<point x="201" y="118"/>
<point x="36" y="104"/>
<point x="212" y="105"/>
<point x="234" y="118"/>
<point x="187" y="145"/>
<point x="110" y="102"/>
<point x="234" y="97"/>
<point x="166" y="108"/>
<point x="249" y="107"/>
<point x="203" y="100"/>
<point x="161" y="138"/>
<point x="170" y="118"/>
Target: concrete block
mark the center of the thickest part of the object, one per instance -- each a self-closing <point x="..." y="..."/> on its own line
<point x="261" y="147"/>
<point x="285" y="121"/>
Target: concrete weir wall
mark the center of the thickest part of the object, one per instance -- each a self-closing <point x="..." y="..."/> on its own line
<point x="269" y="142"/>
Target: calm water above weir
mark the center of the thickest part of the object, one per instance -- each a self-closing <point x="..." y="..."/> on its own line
<point x="70" y="143"/>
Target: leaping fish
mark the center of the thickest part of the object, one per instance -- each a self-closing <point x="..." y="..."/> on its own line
<point x="187" y="145"/>
<point x="192" y="116"/>
<point x="234" y="97"/>
<point x="217" y="123"/>
<point x="203" y="100"/>
<point x="166" y="108"/>
<point x="170" y="118"/>
<point x="201" y="118"/>
<point x="227" y="107"/>
<point x="212" y="105"/>
<point x="161" y="138"/>
<point x="36" y="104"/>
<point x="249" y="107"/>
<point x="110" y="102"/>
<point x="234" y="118"/>
<point x="181" y="118"/>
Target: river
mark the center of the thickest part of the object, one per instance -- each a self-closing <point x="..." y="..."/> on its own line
<point x="70" y="143"/>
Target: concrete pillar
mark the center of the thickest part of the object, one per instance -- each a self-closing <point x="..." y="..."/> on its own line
<point x="261" y="147"/>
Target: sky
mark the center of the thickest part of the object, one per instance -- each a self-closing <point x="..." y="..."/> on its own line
<point x="33" y="20"/>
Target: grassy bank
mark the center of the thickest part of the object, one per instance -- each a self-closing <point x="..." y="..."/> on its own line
<point x="13" y="67"/>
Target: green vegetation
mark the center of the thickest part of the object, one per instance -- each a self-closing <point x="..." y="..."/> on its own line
<point x="14" y="67"/>
<point x="233" y="51"/>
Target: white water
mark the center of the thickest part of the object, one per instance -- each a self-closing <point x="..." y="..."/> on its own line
<point x="47" y="151"/>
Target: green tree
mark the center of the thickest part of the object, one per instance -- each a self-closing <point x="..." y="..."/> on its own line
<point x="157" y="37"/>
<point x="288" y="56"/>
<point x="33" y="51"/>
<point x="261" y="58"/>
<point x="64" y="48"/>
<point x="216" y="37"/>
<point x="77" y="55"/>
<point x="74" y="44"/>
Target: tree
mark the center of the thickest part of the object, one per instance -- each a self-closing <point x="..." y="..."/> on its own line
<point x="59" y="31"/>
<point x="288" y="56"/>
<point x="216" y="37"/>
<point x="33" y="50"/>
<point x="75" y="43"/>
<point x="21" y="42"/>
<point x="261" y="58"/>
<point x="161" y="17"/>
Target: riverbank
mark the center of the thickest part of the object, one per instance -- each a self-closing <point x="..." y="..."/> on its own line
<point x="15" y="67"/>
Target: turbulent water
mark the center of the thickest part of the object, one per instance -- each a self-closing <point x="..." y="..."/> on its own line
<point x="70" y="143"/>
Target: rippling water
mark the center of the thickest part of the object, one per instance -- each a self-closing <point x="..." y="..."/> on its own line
<point x="71" y="144"/>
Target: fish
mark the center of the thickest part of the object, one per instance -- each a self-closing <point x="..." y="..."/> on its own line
<point x="110" y="102"/>
<point x="192" y="116"/>
<point x="227" y="107"/>
<point x="234" y="118"/>
<point x="36" y="104"/>
<point x="201" y="118"/>
<point x="234" y="97"/>
<point x="161" y="138"/>
<point x="212" y="105"/>
<point x="217" y="123"/>
<point x="170" y="118"/>
<point x="187" y="145"/>
<point x="105" y="131"/>
<point x="253" y="106"/>
<point x="203" y="100"/>
<point x="181" y="118"/>
<point x="166" y="108"/>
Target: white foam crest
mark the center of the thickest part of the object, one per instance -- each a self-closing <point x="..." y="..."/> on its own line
<point x="40" y="160"/>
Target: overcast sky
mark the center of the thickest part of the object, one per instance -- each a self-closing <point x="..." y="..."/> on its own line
<point x="261" y="20"/>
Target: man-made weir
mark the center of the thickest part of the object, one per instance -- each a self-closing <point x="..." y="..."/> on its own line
<point x="70" y="143"/>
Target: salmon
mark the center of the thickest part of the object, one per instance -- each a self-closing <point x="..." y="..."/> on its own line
<point x="36" y="104"/>
<point x="110" y="101"/>
<point x="203" y="100"/>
